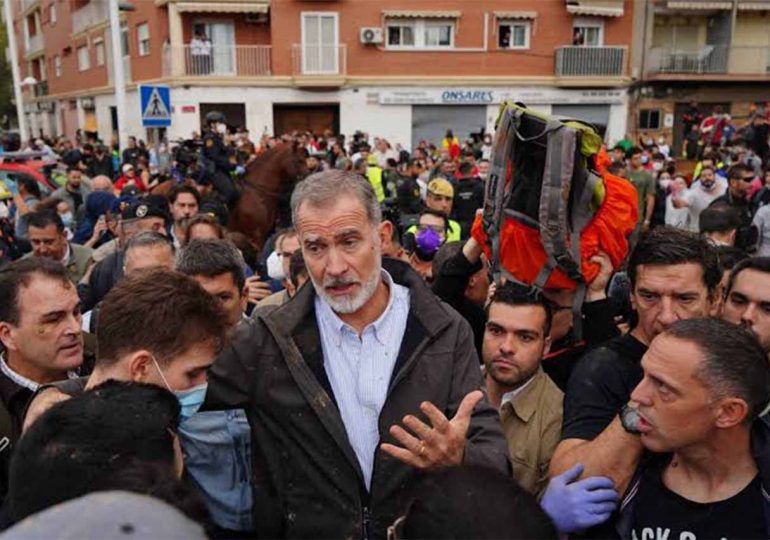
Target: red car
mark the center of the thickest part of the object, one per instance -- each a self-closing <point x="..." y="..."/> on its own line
<point x="31" y="165"/>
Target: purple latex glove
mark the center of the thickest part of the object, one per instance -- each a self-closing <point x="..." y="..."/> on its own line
<point x="574" y="505"/>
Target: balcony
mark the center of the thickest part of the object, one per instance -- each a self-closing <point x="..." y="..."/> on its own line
<point x="590" y="61"/>
<point x="719" y="61"/>
<point x="93" y="13"/>
<point x="229" y="61"/>
<point x="319" y="65"/>
<point x="27" y="5"/>
<point x="40" y="89"/>
<point x="34" y="43"/>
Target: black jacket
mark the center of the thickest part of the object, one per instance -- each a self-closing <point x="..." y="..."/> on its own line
<point x="450" y="285"/>
<point x="308" y="481"/>
<point x="102" y="166"/>
<point x="103" y="277"/>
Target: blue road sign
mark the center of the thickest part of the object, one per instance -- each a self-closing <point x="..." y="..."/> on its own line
<point x="155" y="105"/>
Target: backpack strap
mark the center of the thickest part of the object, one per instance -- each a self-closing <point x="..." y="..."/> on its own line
<point x="554" y="202"/>
<point x="495" y="192"/>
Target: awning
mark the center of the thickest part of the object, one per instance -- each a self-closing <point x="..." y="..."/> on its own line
<point x="695" y="5"/>
<point x="602" y="8"/>
<point x="223" y="7"/>
<point x="754" y="6"/>
<point x="403" y="14"/>
<point x="516" y="14"/>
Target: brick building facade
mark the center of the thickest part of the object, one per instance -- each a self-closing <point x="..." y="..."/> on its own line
<point x="403" y="70"/>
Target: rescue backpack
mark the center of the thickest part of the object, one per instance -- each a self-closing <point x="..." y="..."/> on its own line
<point x="546" y="210"/>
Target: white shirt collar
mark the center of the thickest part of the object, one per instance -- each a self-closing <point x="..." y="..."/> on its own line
<point x="23" y="381"/>
<point x="509" y="396"/>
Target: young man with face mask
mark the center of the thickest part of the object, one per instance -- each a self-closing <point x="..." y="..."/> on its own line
<point x="217" y="266"/>
<point x="428" y="236"/>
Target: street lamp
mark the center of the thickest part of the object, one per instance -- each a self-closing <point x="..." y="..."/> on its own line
<point x="16" y="75"/>
<point x="119" y="82"/>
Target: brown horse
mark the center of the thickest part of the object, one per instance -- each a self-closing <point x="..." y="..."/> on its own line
<point x="269" y="178"/>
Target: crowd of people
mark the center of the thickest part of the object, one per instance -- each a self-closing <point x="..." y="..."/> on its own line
<point x="360" y="375"/>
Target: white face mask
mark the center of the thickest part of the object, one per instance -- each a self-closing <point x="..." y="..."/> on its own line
<point x="221" y="128"/>
<point x="665" y="183"/>
<point x="657" y="166"/>
<point x="275" y="267"/>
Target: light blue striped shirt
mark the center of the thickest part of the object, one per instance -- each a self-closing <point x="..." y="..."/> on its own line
<point x="359" y="368"/>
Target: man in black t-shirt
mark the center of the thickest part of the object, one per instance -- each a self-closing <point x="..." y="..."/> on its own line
<point x="674" y="275"/>
<point x="469" y="197"/>
<point x="704" y="384"/>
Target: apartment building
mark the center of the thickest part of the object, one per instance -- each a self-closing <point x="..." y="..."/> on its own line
<point x="700" y="52"/>
<point x="404" y="70"/>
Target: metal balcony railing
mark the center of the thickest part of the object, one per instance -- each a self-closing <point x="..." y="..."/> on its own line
<point x="231" y="60"/>
<point x="577" y="61"/>
<point x="35" y="43"/>
<point x="710" y="59"/>
<point x="93" y="13"/>
<point x="319" y="59"/>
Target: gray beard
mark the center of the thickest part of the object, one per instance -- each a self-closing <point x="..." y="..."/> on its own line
<point x="351" y="304"/>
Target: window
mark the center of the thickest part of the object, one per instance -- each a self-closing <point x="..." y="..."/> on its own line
<point x="420" y="34"/>
<point x="143" y="38"/>
<point x="52" y="14"/>
<point x="84" y="58"/>
<point x="99" y="49"/>
<point x="513" y="35"/>
<point x="320" y="43"/>
<point x="400" y="35"/>
<point x="41" y="69"/>
<point x="124" y="41"/>
<point x="649" y="119"/>
<point x="57" y="66"/>
<point x="588" y="32"/>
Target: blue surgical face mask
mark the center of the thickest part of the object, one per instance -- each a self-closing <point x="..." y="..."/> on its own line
<point x="67" y="219"/>
<point x="190" y="400"/>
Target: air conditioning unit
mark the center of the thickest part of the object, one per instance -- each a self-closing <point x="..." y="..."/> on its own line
<point x="371" y="35"/>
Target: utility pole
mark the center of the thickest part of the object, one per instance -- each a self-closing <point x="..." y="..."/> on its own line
<point x="14" y="60"/>
<point x="119" y="76"/>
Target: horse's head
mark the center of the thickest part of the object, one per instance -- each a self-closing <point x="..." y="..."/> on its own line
<point x="296" y="161"/>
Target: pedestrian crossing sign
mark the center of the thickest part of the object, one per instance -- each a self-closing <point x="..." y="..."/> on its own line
<point x="156" y="106"/>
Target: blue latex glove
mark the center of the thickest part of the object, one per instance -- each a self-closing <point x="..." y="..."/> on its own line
<point x="577" y="505"/>
<point x="240" y="170"/>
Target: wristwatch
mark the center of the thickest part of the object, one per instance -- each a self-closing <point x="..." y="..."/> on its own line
<point x="629" y="419"/>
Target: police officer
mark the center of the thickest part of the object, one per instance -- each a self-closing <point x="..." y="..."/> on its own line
<point x="215" y="158"/>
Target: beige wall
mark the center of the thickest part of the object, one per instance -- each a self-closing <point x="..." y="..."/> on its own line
<point x="751" y="43"/>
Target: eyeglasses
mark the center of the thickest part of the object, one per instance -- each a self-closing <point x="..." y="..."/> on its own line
<point x="747" y="178"/>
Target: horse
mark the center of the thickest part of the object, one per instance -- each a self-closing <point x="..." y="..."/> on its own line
<point x="268" y="180"/>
